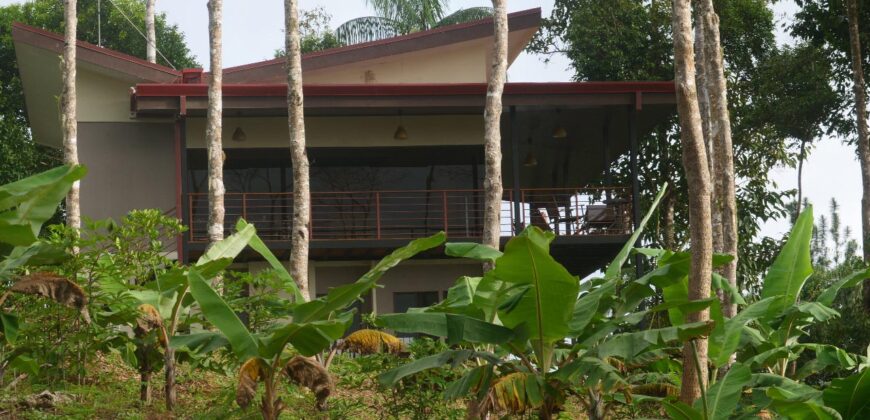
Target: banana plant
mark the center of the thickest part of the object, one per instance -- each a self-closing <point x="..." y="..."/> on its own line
<point x="768" y="335"/>
<point x="25" y="206"/>
<point x="310" y="328"/>
<point x="513" y="326"/>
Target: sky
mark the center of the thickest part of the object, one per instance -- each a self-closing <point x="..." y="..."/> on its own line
<point x="253" y="30"/>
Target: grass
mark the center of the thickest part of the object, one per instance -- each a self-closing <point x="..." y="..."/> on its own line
<point x="112" y="392"/>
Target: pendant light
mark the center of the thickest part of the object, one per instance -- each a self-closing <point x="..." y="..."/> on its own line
<point x="531" y="160"/>
<point x="239" y="135"/>
<point x="401" y="133"/>
<point x="559" y="132"/>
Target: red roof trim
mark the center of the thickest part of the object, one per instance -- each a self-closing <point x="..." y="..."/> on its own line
<point x="98" y="49"/>
<point x="459" y="89"/>
<point x="387" y="41"/>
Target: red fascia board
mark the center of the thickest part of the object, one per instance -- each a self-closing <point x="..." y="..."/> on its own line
<point x="455" y="89"/>
<point x="95" y="48"/>
<point x="402" y="38"/>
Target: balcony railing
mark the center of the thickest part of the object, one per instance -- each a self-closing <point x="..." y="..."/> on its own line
<point x="374" y="215"/>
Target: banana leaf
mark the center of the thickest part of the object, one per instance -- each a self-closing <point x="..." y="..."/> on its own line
<point x="791" y="268"/>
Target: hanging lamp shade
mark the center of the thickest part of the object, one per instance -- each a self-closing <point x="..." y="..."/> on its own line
<point x="559" y="132"/>
<point x="239" y="135"/>
<point x="401" y="133"/>
<point x="530" y="160"/>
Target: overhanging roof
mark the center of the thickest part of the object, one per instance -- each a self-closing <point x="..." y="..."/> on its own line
<point x="270" y="99"/>
<point x="126" y="66"/>
<point x="526" y="21"/>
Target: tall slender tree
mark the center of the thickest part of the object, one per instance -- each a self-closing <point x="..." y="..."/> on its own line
<point x="724" y="190"/>
<point x="214" y="125"/>
<point x="298" y="155"/>
<point x="863" y="139"/>
<point x="150" y="32"/>
<point x="698" y="179"/>
<point x="68" y="117"/>
<point x="214" y="150"/>
<point x="492" y="182"/>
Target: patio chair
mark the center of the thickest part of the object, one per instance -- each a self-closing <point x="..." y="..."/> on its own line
<point x="599" y="218"/>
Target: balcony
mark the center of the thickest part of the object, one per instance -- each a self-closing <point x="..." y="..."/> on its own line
<point x="409" y="214"/>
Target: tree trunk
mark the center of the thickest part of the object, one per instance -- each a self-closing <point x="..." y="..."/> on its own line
<point x="698" y="178"/>
<point x="492" y="182"/>
<point x="298" y="155"/>
<point x="150" y="32"/>
<point x="68" y="117"/>
<point x="214" y="124"/>
<point x="863" y="140"/>
<point x="724" y="191"/>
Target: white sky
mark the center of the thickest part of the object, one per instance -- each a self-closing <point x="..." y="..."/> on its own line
<point x="253" y="31"/>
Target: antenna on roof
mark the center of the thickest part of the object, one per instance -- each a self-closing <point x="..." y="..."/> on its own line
<point x="99" y="22"/>
<point x="140" y="33"/>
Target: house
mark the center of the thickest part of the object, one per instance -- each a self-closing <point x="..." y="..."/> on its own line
<point x="395" y="132"/>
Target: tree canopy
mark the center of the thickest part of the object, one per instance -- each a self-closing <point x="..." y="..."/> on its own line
<point x="19" y="155"/>
<point x="631" y="40"/>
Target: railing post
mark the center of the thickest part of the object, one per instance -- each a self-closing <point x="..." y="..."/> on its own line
<point x="190" y="216"/>
<point x="378" y="213"/>
<point x="245" y="206"/>
<point x="444" y="209"/>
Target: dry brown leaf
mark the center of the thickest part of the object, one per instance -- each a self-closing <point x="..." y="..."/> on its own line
<point x="55" y="287"/>
<point x="309" y="373"/>
<point x="149" y="319"/>
<point x="656" y="390"/>
<point x="250" y="375"/>
<point x="367" y="341"/>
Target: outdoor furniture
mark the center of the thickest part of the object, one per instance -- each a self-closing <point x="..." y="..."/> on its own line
<point x="599" y="218"/>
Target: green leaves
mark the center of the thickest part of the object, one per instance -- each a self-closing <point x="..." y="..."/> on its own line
<point x="26" y="204"/>
<point x="722" y="397"/>
<point x="472" y="250"/>
<point x="792" y="266"/>
<point x="850" y="396"/>
<point x="9" y="323"/>
<point x="257" y="245"/>
<point x="343" y="296"/>
<point x="615" y="268"/>
<point x="222" y="316"/>
<point x="827" y="297"/>
<point x="456" y="328"/>
<point x="680" y="411"/>
<point x="451" y="357"/>
<point x="547" y="303"/>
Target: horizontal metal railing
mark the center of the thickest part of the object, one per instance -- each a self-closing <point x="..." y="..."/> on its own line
<point x="409" y="214"/>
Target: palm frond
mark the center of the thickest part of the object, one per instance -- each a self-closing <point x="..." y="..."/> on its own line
<point x="465" y="15"/>
<point x="366" y="29"/>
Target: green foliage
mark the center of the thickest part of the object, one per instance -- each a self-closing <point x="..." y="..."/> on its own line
<point x="19" y="155"/>
<point x="526" y="306"/>
<point x="631" y="40"/>
<point x="315" y="33"/>
<point x="25" y="206"/>
<point x="314" y="325"/>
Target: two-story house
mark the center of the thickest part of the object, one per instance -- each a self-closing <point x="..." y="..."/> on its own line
<point x="394" y="132"/>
